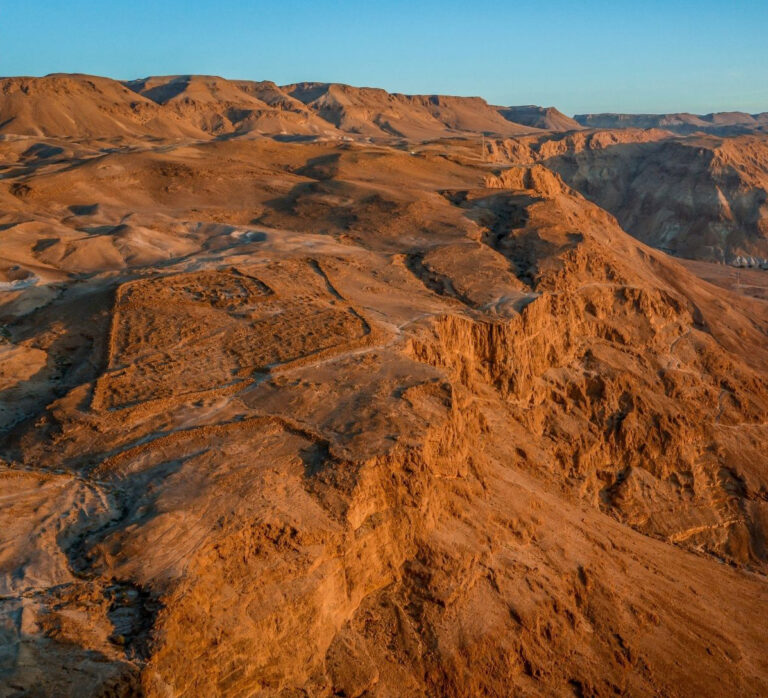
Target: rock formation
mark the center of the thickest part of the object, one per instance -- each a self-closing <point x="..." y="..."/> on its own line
<point x="721" y="123"/>
<point x="315" y="416"/>
<point x="547" y="118"/>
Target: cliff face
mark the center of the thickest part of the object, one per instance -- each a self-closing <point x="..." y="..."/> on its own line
<point x="323" y="418"/>
<point x="695" y="197"/>
<point x="704" y="199"/>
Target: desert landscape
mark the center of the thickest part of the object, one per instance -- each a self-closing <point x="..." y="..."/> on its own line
<point x="318" y="390"/>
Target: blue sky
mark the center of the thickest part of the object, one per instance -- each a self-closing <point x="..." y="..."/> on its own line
<point x="589" y="55"/>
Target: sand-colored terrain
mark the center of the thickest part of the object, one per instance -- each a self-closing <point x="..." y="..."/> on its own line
<point x="365" y="395"/>
<point x="722" y="123"/>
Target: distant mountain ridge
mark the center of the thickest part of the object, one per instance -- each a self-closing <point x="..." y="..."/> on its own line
<point x="77" y="106"/>
<point x="199" y="106"/>
<point x="376" y="113"/>
<point x="722" y="123"/>
<point x="547" y="118"/>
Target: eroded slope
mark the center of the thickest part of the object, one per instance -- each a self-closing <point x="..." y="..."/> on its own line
<point x="370" y="423"/>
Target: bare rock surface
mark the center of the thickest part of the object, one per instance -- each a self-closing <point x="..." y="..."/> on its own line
<point x="698" y="196"/>
<point x="339" y="416"/>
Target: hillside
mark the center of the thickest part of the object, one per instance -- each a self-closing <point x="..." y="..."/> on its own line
<point x="374" y="112"/>
<point x="721" y="123"/>
<point x="83" y="106"/>
<point x="546" y="118"/>
<point x="219" y="106"/>
<point x="377" y="406"/>
<point x="199" y="106"/>
<point x="701" y="198"/>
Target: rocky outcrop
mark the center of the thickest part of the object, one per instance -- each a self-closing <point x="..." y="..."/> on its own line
<point x="547" y="118"/>
<point x="535" y="177"/>
<point x="350" y="419"/>
<point x="697" y="198"/>
<point x="749" y="262"/>
<point x="702" y="200"/>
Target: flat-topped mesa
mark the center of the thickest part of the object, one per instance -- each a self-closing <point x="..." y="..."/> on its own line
<point x="723" y="123"/>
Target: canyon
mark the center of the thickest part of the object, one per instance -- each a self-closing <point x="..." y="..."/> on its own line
<point x="318" y="390"/>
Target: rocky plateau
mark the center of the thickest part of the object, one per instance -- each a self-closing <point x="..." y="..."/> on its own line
<point x="315" y="390"/>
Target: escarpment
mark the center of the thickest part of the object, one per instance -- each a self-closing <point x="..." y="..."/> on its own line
<point x="299" y="570"/>
<point x="700" y="197"/>
<point x="369" y="419"/>
<point x="623" y="386"/>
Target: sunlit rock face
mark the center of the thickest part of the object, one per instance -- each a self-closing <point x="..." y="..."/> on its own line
<point x="315" y="391"/>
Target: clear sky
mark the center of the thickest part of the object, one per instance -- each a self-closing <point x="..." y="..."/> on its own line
<point x="583" y="55"/>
